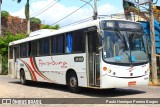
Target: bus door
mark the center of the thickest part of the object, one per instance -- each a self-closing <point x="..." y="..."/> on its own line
<point x="15" y="55"/>
<point x="93" y="58"/>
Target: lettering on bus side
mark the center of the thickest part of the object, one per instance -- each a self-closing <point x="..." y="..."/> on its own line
<point x="62" y="64"/>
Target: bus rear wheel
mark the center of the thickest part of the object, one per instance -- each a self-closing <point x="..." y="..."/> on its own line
<point x="23" y="78"/>
<point x="72" y="83"/>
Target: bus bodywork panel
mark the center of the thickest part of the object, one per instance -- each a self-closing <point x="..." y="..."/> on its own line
<point x="121" y="76"/>
<point x="53" y="68"/>
<point x="11" y="68"/>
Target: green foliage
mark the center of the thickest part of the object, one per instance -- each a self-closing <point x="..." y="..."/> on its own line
<point x="35" y="20"/>
<point x="4" y="14"/>
<point x="50" y="27"/>
<point x="45" y="26"/>
<point x="4" y="48"/>
<point x="4" y="65"/>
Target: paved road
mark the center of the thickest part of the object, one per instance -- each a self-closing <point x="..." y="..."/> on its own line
<point x="11" y="88"/>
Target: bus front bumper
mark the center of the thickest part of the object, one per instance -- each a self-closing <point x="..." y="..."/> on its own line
<point x="119" y="82"/>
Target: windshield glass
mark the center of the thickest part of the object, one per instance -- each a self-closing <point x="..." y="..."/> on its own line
<point x="124" y="47"/>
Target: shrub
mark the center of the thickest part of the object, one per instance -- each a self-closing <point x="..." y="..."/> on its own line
<point x="4" y="48"/>
<point x="50" y="27"/>
<point x="4" y="14"/>
<point x="35" y="20"/>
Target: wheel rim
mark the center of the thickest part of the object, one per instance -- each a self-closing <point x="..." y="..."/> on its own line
<point x="73" y="82"/>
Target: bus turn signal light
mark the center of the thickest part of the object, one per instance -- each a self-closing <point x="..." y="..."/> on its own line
<point x="105" y="68"/>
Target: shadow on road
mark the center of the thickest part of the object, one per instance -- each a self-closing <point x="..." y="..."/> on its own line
<point x="111" y="93"/>
<point x="86" y="91"/>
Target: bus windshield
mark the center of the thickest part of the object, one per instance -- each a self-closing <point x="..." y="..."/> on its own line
<point x="124" y="47"/>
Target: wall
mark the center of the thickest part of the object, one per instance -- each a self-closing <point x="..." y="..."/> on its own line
<point x="15" y="25"/>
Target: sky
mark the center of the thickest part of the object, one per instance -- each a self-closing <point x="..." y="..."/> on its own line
<point x="61" y="9"/>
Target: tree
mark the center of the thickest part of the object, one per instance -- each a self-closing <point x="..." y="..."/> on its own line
<point x="35" y="20"/>
<point x="0" y="17"/>
<point x="4" y="41"/>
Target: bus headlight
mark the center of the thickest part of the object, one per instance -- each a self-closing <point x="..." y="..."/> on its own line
<point x="145" y="72"/>
<point x="109" y="71"/>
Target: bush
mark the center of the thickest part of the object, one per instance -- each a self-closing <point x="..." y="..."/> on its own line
<point x="4" y="48"/>
<point x="35" y="20"/>
<point x="45" y="26"/>
<point x="50" y="27"/>
<point x="4" y="14"/>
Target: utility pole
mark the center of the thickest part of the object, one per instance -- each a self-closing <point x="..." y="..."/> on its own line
<point x="28" y="26"/>
<point x="28" y="22"/>
<point x="153" y="50"/>
<point x="27" y="14"/>
<point x="95" y="10"/>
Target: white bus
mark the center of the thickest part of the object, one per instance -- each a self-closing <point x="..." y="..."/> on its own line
<point x="96" y="54"/>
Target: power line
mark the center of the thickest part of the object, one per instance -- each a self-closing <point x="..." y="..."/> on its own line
<point x="40" y="12"/>
<point x="71" y="13"/>
<point x="43" y="8"/>
<point x="83" y="20"/>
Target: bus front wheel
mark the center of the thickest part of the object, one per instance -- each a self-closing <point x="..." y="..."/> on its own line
<point x="72" y="83"/>
<point x="22" y="77"/>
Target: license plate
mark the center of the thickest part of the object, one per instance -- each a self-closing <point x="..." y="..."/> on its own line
<point x="132" y="83"/>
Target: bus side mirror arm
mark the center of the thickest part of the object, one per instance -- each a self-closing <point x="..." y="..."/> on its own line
<point x="100" y="47"/>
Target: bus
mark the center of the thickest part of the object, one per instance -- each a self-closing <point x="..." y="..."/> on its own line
<point x="101" y="54"/>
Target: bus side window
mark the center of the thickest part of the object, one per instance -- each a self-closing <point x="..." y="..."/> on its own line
<point x="18" y="52"/>
<point x="59" y="45"/>
<point x="10" y="52"/>
<point x="78" y="41"/>
<point x="23" y="50"/>
<point x="44" y="46"/>
<point x="34" y="48"/>
<point x="40" y="46"/>
<point x="53" y="45"/>
<point x="29" y="48"/>
<point x="69" y="42"/>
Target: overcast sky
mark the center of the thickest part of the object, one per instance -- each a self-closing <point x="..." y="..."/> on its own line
<point x="62" y="9"/>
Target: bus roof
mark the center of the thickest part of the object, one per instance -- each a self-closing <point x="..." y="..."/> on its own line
<point x="48" y="32"/>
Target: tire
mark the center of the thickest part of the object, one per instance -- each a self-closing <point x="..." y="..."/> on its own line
<point x="111" y="89"/>
<point x="72" y="83"/>
<point x="23" y="78"/>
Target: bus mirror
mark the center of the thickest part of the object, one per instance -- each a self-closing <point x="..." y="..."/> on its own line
<point x="100" y="40"/>
<point x="100" y="48"/>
